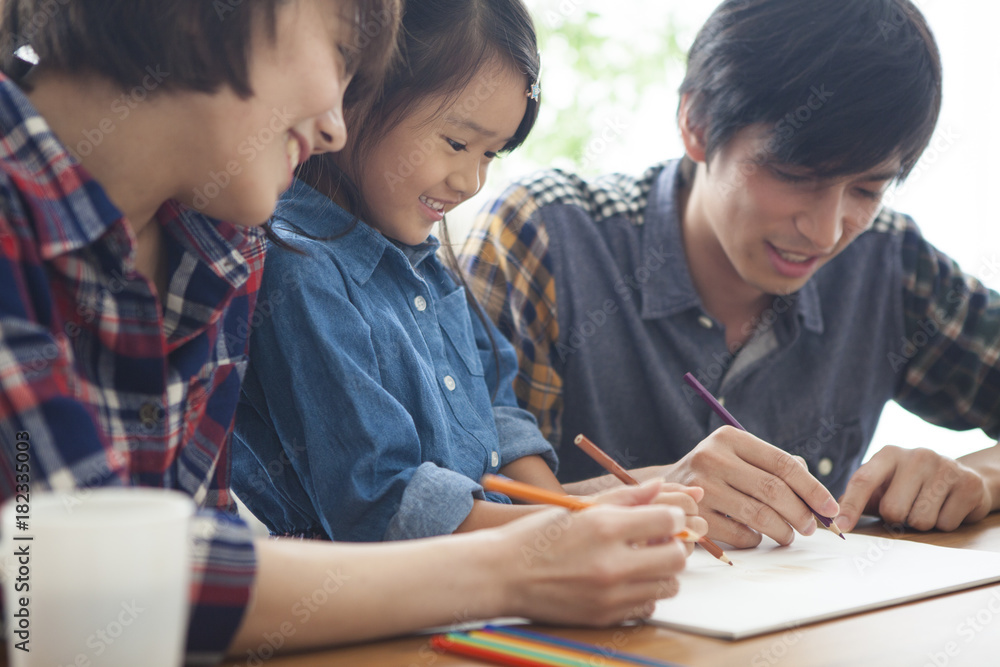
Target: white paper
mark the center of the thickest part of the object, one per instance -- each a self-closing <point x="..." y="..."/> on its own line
<point x="774" y="588"/>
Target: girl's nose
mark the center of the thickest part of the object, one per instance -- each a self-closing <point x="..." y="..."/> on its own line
<point x="465" y="179"/>
<point x="331" y="132"/>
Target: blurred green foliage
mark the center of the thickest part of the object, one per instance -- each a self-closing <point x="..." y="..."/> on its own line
<point x="591" y="72"/>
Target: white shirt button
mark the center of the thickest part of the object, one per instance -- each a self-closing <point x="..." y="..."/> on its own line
<point x="494" y="459"/>
<point x="421" y="303"/>
<point x="449" y="382"/>
<point x="705" y="321"/>
<point x="825" y="466"/>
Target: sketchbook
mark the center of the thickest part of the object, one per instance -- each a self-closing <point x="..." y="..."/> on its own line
<point x="773" y="588"/>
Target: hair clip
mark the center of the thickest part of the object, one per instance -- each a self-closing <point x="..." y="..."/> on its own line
<point x="536" y="89"/>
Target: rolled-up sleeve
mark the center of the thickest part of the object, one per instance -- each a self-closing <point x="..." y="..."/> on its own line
<point x="518" y="435"/>
<point x="223" y="569"/>
<point x="435" y="502"/>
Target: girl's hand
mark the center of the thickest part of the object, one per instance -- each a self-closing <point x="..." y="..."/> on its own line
<point x="655" y="492"/>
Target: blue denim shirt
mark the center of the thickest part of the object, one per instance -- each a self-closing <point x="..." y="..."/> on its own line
<point x="368" y="412"/>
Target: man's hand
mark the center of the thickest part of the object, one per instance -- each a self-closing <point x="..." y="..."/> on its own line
<point x="918" y="487"/>
<point x="751" y="488"/>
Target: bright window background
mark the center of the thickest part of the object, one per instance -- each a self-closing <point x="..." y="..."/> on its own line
<point x="609" y="80"/>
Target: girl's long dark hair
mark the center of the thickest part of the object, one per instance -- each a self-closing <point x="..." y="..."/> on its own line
<point x="442" y="45"/>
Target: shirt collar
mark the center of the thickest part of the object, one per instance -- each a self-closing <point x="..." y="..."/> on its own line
<point x="669" y="289"/>
<point x="69" y="208"/>
<point x="303" y="209"/>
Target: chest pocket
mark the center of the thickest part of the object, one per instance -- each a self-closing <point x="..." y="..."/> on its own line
<point x="454" y="316"/>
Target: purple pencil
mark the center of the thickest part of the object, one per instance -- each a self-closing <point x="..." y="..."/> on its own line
<point x="731" y="420"/>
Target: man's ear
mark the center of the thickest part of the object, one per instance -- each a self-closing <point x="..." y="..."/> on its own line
<point x="693" y="137"/>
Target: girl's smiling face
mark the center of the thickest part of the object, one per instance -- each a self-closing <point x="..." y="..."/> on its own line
<point x="438" y="156"/>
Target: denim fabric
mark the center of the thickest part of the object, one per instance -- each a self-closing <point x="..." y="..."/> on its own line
<point x="367" y="411"/>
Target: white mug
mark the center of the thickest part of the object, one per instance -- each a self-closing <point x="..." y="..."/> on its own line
<point x="96" y="577"/>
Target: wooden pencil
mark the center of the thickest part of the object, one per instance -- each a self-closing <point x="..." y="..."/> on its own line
<point x="725" y="416"/>
<point x="612" y="466"/>
<point x="534" y="494"/>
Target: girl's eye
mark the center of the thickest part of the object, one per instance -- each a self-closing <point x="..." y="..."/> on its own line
<point x="457" y="147"/>
<point x="490" y="155"/>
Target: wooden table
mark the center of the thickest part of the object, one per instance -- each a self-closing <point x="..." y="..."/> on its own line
<point x="956" y="629"/>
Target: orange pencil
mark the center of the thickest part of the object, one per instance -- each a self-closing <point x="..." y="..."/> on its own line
<point x="609" y="464"/>
<point x="534" y="494"/>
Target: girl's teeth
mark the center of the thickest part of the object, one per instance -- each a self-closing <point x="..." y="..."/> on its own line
<point x="437" y="206"/>
<point x="294" y="150"/>
<point x="791" y="257"/>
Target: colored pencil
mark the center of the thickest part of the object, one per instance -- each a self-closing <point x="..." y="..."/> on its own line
<point x="605" y="461"/>
<point x="501" y="651"/>
<point x="473" y="649"/>
<point x="534" y="494"/>
<point x="622" y="656"/>
<point x="612" y="466"/>
<point x="532" y="647"/>
<point x="706" y="396"/>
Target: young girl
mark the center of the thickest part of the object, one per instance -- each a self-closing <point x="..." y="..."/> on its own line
<point x="378" y="394"/>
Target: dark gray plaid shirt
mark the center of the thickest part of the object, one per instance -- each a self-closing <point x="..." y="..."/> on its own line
<point x="590" y="282"/>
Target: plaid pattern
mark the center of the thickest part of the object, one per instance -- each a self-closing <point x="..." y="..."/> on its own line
<point x="948" y="362"/>
<point x="109" y="391"/>
<point x="508" y="268"/>
<point x="952" y="344"/>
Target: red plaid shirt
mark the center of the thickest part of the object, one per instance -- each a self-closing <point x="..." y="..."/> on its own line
<point x="107" y="387"/>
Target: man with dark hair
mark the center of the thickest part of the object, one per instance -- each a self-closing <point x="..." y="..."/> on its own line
<point x="126" y="305"/>
<point x="763" y="263"/>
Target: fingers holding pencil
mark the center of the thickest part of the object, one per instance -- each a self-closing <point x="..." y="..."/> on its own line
<point x="675" y="495"/>
<point x="670" y="494"/>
